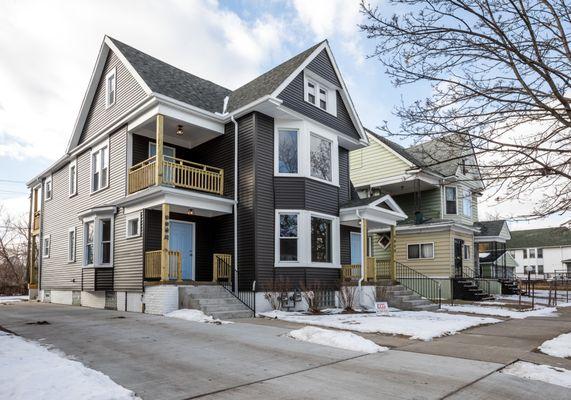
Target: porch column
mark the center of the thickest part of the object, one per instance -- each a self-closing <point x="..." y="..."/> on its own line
<point x="159" y="156"/>
<point x="393" y="265"/>
<point x="165" y="242"/>
<point x="364" y="242"/>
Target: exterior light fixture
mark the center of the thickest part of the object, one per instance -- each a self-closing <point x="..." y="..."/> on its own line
<point x="179" y="131"/>
<point x="190" y="211"/>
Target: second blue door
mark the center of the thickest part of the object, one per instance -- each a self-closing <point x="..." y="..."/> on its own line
<point x="182" y="240"/>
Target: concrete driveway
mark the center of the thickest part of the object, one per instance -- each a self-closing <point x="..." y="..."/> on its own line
<point x="165" y="358"/>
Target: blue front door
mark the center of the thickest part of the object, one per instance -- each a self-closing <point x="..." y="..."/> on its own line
<point x="182" y="240"/>
<point x="355" y="248"/>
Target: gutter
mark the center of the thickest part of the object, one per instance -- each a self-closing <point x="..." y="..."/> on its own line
<point x="235" y="203"/>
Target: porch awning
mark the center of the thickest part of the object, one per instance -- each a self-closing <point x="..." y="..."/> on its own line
<point x="379" y="210"/>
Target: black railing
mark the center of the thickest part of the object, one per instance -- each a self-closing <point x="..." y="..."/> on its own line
<point x="246" y="297"/>
<point x="419" y="283"/>
<point x="483" y="284"/>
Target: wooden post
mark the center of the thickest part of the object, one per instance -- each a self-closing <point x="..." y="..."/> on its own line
<point x="165" y="243"/>
<point x="179" y="267"/>
<point x="159" y="159"/>
<point x="393" y="251"/>
<point x="364" y="241"/>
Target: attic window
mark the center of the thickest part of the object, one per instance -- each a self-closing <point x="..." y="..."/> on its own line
<point x="320" y="93"/>
<point x="110" y="88"/>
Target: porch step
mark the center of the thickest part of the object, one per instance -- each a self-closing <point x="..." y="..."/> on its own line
<point x="213" y="300"/>
<point x="400" y="297"/>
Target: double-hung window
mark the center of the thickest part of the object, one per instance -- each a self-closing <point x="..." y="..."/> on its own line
<point x="89" y="235"/>
<point x="104" y="245"/>
<point x="320" y="93"/>
<point x="420" y="250"/>
<point x="48" y="188"/>
<point x="321" y="240"/>
<point x="98" y="241"/>
<point x="100" y="167"/>
<point x="288" y="239"/>
<point x="110" y="88"/>
<point x="524" y="253"/>
<point x="71" y="245"/>
<point x="46" y="246"/>
<point x="72" y="170"/>
<point x="531" y="253"/>
<point x="539" y="253"/>
<point x="467" y="252"/>
<point x="467" y="203"/>
<point x="450" y="200"/>
<point x="288" y="151"/>
<point x="323" y="99"/>
<point x="311" y="87"/>
<point x="320" y="158"/>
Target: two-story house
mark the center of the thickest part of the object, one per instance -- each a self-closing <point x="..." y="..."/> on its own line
<point x="170" y="180"/>
<point x="437" y="184"/>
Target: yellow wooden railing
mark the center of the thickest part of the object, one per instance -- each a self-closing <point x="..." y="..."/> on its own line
<point x="374" y="269"/>
<point x="222" y="267"/>
<point x="142" y="175"/>
<point x="36" y="222"/>
<point x="153" y="266"/>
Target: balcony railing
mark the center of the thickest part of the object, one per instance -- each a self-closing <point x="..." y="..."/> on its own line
<point x="352" y="272"/>
<point x="178" y="173"/>
<point x="153" y="266"/>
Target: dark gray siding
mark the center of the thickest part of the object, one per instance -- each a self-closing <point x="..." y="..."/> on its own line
<point x="346" y="243"/>
<point x="323" y="67"/>
<point x="129" y="94"/>
<point x="94" y="279"/>
<point x="344" y="178"/>
<point x="306" y="194"/>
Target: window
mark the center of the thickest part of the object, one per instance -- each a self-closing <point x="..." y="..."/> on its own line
<point x="105" y="241"/>
<point x="540" y="269"/>
<point x="531" y="253"/>
<point x="524" y="253"/>
<point x="89" y="234"/>
<point x="46" y="245"/>
<point x="133" y="228"/>
<point x="72" y="178"/>
<point x="48" y="188"/>
<point x="169" y="152"/>
<point x="320" y="93"/>
<point x="539" y="253"/>
<point x="323" y="99"/>
<point x="384" y="241"/>
<point x="450" y="200"/>
<point x="288" y="151"/>
<point x="71" y="245"/>
<point x="421" y="250"/>
<point x="311" y="92"/>
<point x="321" y="240"/>
<point x="110" y="88"/>
<point x="320" y="158"/>
<point x="533" y="271"/>
<point x="467" y="203"/>
<point x="467" y="252"/>
<point x="288" y="237"/>
<point x="100" y="167"/>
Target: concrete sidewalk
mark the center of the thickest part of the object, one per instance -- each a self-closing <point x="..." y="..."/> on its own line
<point x="165" y="358"/>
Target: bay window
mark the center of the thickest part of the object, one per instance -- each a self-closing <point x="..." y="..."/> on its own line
<point x="105" y="241"/>
<point x="88" y="234"/>
<point x="320" y="158"/>
<point x="98" y="238"/>
<point x="321" y="240"/>
<point x="450" y="192"/>
<point x="288" y="151"/>
<point x="100" y="167"/>
<point x="288" y="241"/>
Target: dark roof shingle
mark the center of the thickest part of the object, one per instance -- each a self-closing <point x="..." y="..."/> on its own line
<point x="546" y="237"/>
<point x="490" y="228"/>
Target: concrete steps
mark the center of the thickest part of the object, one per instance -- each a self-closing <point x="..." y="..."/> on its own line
<point x="400" y="297"/>
<point x="213" y="300"/>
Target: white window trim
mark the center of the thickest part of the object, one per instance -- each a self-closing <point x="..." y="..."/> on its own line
<point x="305" y="129"/>
<point x="72" y="164"/>
<point x="96" y="218"/>
<point x="49" y="239"/>
<point x="444" y="199"/>
<point x="379" y="241"/>
<point x="51" y="191"/>
<point x="111" y="73"/>
<point x="466" y="197"/>
<point x="304" y="240"/>
<point x="467" y="251"/>
<point x="130" y="218"/>
<point x="420" y="251"/>
<point x="94" y="150"/>
<point x="72" y="260"/>
<point x="319" y="82"/>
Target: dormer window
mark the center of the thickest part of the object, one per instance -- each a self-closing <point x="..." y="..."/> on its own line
<point x="323" y="99"/>
<point x="320" y="93"/>
<point x="311" y="92"/>
<point x="110" y="88"/>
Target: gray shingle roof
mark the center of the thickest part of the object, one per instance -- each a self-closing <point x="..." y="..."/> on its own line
<point x="442" y="155"/>
<point x="266" y="83"/>
<point x="546" y="237"/>
<point x="396" y="147"/>
<point x="356" y="202"/>
<point x="489" y="228"/>
<point x="170" y="81"/>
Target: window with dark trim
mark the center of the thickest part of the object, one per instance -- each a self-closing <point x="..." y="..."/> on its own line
<point x="321" y="237"/>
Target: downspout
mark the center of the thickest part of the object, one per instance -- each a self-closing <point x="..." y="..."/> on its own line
<point x="363" y="237"/>
<point x="235" y="203"/>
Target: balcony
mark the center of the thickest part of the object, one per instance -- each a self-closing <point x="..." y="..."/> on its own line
<point x="177" y="173"/>
<point x="172" y="270"/>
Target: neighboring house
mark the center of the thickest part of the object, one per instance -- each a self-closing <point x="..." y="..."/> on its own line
<point x="547" y="251"/>
<point x="171" y="180"/>
<point x="437" y="184"/>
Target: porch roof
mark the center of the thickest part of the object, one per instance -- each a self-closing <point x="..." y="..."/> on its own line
<point x="381" y="210"/>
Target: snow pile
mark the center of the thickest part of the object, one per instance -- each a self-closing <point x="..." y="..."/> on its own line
<point x="539" y="372"/>
<point x="195" y="316"/>
<point x="423" y="325"/>
<point x="558" y="347"/>
<point x="502" y="312"/>
<point x="12" y="299"/>
<point x="339" y="339"/>
<point x="29" y="371"/>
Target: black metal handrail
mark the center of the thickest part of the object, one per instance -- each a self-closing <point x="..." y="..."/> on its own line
<point x="419" y="283"/>
<point x="482" y="283"/>
<point x="246" y="297"/>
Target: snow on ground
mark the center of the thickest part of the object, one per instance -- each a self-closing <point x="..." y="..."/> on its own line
<point x="423" y="325"/>
<point x="339" y="339"/>
<point x="195" y="316"/>
<point x="558" y="347"/>
<point x="502" y="312"/>
<point x="539" y="372"/>
<point x="29" y="371"/>
<point x="12" y="299"/>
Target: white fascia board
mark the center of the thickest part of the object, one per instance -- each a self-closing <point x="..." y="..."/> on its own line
<point x="190" y="116"/>
<point x="127" y="65"/>
<point x="107" y="210"/>
<point x="390" y="149"/>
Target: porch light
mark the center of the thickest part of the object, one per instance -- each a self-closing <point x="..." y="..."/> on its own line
<point x="179" y="130"/>
<point x="190" y="211"/>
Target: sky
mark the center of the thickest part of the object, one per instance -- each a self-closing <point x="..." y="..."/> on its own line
<point x="48" y="50"/>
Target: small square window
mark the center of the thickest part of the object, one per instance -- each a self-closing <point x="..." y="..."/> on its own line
<point x="133" y="227"/>
<point x="384" y="241"/>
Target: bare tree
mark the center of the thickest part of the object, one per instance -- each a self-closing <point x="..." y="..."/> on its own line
<point x="500" y="73"/>
<point x="13" y="253"/>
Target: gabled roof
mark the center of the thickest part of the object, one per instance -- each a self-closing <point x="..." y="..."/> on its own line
<point x="442" y="155"/>
<point x="395" y="147"/>
<point x="546" y="237"/>
<point x="490" y="228"/>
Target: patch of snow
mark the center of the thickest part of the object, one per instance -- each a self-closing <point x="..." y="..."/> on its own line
<point x="502" y="312"/>
<point x="339" y="339"/>
<point x="195" y="316"/>
<point x="558" y="347"/>
<point x="423" y="325"/>
<point x="28" y="371"/>
<point x="12" y="299"/>
<point x="540" y="372"/>
<point x="563" y="305"/>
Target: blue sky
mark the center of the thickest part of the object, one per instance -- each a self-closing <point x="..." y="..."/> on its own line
<point x="44" y="74"/>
